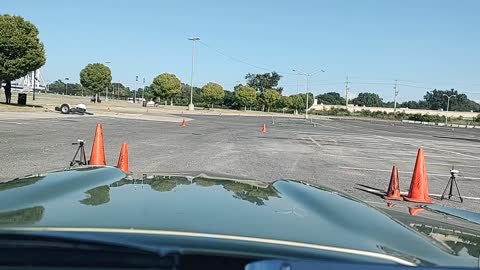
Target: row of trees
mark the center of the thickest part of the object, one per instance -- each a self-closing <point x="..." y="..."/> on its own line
<point x="261" y="92"/>
<point x="116" y="89"/>
<point x="432" y="100"/>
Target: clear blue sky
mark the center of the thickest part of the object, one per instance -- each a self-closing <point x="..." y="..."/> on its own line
<point x="423" y="43"/>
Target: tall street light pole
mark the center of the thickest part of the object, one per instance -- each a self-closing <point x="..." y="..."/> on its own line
<point x="66" y="85"/>
<point x="135" y="90"/>
<point x="307" y="76"/>
<point x="448" y="106"/>
<point x="191" y="107"/>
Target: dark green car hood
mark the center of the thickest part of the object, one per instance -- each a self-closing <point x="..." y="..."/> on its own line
<point x="104" y="197"/>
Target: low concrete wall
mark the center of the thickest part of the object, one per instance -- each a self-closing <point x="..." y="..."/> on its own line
<point x="352" y="108"/>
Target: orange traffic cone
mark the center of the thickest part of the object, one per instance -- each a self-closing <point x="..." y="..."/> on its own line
<point x="414" y="211"/>
<point x="393" y="192"/>
<point x="123" y="159"/>
<point x="264" y="129"/>
<point x="419" y="186"/>
<point x="97" y="157"/>
<point x="184" y="124"/>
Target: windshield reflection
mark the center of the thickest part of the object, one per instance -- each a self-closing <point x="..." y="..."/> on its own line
<point x="459" y="242"/>
<point x="242" y="191"/>
<point x="97" y="196"/>
<point x="20" y="182"/>
<point x="27" y="216"/>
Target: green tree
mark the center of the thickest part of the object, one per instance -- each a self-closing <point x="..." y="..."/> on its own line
<point x="331" y="98"/>
<point x="229" y="99"/>
<point x="284" y="102"/>
<point x="166" y="86"/>
<point x="304" y="100"/>
<point x="122" y="92"/>
<point x="183" y="98"/>
<point x="296" y="103"/>
<point x="271" y="98"/>
<point x="262" y="82"/>
<point x="96" y="78"/>
<point x="368" y="99"/>
<point x="20" y="48"/>
<point x="59" y="87"/>
<point x="436" y="100"/>
<point x="245" y="95"/>
<point x="414" y="104"/>
<point x="212" y="92"/>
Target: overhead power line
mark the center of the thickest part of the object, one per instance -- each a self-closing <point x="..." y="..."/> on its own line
<point x="358" y="81"/>
<point x="244" y="62"/>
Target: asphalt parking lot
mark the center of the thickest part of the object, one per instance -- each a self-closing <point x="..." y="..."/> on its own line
<point x="347" y="155"/>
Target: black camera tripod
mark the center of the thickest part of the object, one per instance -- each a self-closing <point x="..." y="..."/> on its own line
<point x="452" y="181"/>
<point x="81" y="153"/>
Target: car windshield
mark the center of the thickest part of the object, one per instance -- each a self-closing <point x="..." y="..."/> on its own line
<point x="328" y="123"/>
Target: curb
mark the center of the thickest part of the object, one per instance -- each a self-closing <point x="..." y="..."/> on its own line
<point x="439" y="124"/>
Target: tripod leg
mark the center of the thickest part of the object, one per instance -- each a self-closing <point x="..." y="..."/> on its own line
<point x="458" y="190"/>
<point x="451" y="188"/>
<point x="445" y="190"/>
<point x="74" y="156"/>
<point x="83" y="158"/>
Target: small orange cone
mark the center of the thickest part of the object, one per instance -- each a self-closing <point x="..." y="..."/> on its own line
<point x="123" y="159"/>
<point x="393" y="192"/>
<point x="97" y="157"/>
<point x="419" y="186"/>
<point x="264" y="129"/>
<point x="184" y="124"/>
<point x="414" y="211"/>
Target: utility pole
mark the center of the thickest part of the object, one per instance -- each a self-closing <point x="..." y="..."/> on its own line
<point x="306" y="105"/>
<point x="395" y="88"/>
<point x="135" y="90"/>
<point x="191" y="107"/>
<point x="346" y="93"/>
<point x="297" y="85"/>
<point x="143" y="91"/>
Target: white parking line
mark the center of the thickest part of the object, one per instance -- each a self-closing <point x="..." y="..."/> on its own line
<point x="9" y="122"/>
<point x="371" y="158"/>
<point x="315" y="142"/>
<point x="373" y="152"/>
<point x="406" y="193"/>
<point x="433" y="148"/>
<point x="382" y="170"/>
<point x="327" y="126"/>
